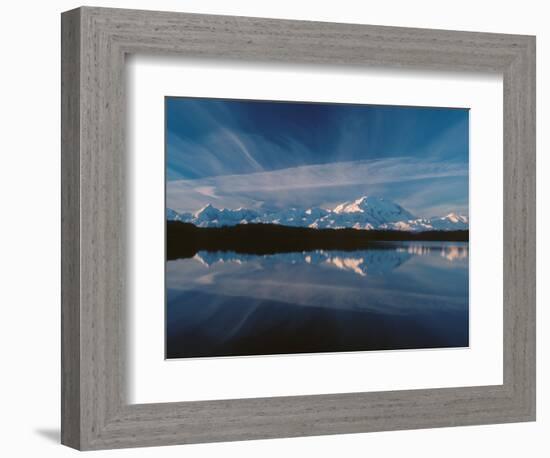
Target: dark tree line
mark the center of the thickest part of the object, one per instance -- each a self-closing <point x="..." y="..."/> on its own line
<point x="184" y="240"/>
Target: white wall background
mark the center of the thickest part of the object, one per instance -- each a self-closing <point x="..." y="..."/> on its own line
<point x="29" y="229"/>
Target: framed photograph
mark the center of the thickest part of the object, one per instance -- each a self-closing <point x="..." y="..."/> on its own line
<point x="279" y="228"/>
<point x="284" y="234"/>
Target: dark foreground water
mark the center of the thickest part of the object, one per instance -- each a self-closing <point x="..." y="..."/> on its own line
<point x="400" y="296"/>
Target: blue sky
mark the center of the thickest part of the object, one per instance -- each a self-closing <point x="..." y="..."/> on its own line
<point x="236" y="153"/>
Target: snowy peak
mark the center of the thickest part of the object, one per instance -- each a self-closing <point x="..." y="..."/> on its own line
<point x="450" y="222"/>
<point x="454" y="218"/>
<point x="352" y="207"/>
<point x="206" y="212"/>
<point x="172" y="215"/>
<point x="373" y="210"/>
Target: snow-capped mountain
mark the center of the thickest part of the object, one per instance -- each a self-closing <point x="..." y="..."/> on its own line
<point x="375" y="208"/>
<point x="172" y="215"/>
<point x="450" y="222"/>
<point x="367" y="212"/>
<point x="211" y="216"/>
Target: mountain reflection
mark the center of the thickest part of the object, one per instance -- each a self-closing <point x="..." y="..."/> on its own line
<point x="449" y="252"/>
<point x="454" y="253"/>
<point x="360" y="262"/>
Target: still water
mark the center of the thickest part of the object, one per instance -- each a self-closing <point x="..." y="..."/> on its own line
<point x="401" y="295"/>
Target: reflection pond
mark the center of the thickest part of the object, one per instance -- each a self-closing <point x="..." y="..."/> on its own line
<point x="405" y="295"/>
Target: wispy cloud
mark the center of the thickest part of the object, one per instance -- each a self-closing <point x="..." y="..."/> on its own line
<point x="242" y="148"/>
<point x="317" y="183"/>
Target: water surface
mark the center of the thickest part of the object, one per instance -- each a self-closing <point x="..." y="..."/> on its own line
<point x="404" y="295"/>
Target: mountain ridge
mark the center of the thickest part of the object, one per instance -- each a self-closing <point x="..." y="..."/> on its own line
<point x="366" y="212"/>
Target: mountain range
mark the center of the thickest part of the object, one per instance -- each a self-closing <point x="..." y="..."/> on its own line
<point x="367" y="212"/>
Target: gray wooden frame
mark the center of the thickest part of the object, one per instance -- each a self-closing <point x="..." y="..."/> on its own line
<point x="95" y="413"/>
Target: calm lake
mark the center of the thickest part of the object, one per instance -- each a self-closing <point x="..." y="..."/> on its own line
<point x="403" y="295"/>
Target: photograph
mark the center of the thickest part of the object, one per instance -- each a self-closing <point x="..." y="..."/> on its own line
<point x="298" y="227"/>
